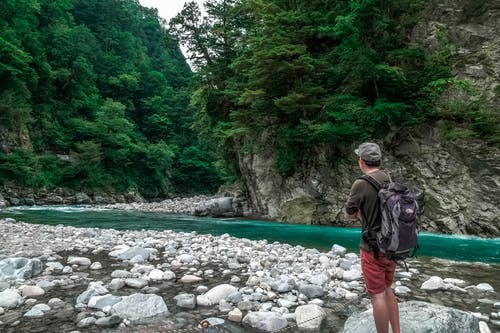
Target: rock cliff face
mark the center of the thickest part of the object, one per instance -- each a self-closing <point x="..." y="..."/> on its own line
<point x="457" y="181"/>
<point x="473" y="28"/>
<point x="14" y="195"/>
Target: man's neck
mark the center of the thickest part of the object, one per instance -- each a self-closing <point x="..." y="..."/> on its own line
<point x="370" y="170"/>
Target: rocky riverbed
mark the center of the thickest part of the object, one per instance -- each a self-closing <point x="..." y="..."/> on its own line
<point x="65" y="279"/>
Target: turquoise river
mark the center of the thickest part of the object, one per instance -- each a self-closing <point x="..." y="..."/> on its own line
<point x="454" y="247"/>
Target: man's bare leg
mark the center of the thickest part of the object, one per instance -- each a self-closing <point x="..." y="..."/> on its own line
<point x="385" y="310"/>
<point x="392" y="303"/>
<point x="380" y="312"/>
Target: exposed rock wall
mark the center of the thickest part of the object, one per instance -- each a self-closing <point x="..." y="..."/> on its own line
<point x="473" y="28"/>
<point x="457" y="181"/>
<point x="14" y="195"/>
<point x="10" y="140"/>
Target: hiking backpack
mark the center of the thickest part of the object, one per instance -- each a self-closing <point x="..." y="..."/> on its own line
<point x="397" y="237"/>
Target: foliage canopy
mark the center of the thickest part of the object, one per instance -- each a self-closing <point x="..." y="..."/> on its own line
<point x="305" y="73"/>
<point x="100" y="91"/>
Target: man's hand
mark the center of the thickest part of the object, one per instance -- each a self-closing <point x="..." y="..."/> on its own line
<point x="353" y="217"/>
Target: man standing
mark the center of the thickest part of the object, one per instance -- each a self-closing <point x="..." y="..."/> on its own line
<point x="378" y="271"/>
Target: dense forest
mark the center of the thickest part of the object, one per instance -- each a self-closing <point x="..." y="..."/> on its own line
<point x="98" y="93"/>
<point x="101" y="97"/>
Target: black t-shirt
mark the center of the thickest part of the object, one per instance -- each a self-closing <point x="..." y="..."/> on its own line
<point x="363" y="196"/>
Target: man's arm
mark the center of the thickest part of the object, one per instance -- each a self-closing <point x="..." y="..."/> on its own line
<point x="352" y="209"/>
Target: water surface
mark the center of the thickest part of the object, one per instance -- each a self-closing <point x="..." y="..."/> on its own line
<point x="455" y="247"/>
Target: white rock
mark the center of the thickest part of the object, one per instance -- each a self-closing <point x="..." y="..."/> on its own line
<point x="37" y="311"/>
<point x="402" y="290"/>
<point x="102" y="302"/>
<point x="338" y="250"/>
<point x="138" y="259"/>
<point x="201" y="289"/>
<point x="55" y="267"/>
<point x="187" y="301"/>
<point x="10" y="298"/>
<point x="186" y="258"/>
<point x="486" y="287"/>
<point x="406" y="275"/>
<point x="136" y="283"/>
<point x="55" y="302"/>
<point x="320" y="279"/>
<point x="225" y="306"/>
<point x="80" y="261"/>
<point x="191" y="279"/>
<point x="351" y="275"/>
<point x="220" y="292"/>
<point x="86" y="322"/>
<point x="34" y="313"/>
<point x="116" y="284"/>
<point x="169" y="275"/>
<point x="156" y="275"/>
<point x="265" y="321"/>
<point x="434" y="283"/>
<point x="317" y="301"/>
<point x="203" y="300"/>
<point x="235" y="315"/>
<point x="95" y="266"/>
<point x="67" y="270"/>
<point x="284" y="303"/>
<point x="309" y="316"/>
<point x="456" y="282"/>
<point x="483" y="327"/>
<point x="32" y="291"/>
<point x="30" y="301"/>
<point x="350" y="296"/>
<point x="140" y="308"/>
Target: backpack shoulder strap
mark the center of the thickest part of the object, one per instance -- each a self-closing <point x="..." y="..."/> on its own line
<point x="372" y="181"/>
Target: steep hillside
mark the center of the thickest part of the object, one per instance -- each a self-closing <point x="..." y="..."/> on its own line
<point x="94" y="96"/>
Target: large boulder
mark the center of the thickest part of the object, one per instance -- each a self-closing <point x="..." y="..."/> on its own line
<point x="19" y="268"/>
<point x="141" y="308"/>
<point x="418" y="317"/>
<point x="216" y="207"/>
<point x="265" y="321"/>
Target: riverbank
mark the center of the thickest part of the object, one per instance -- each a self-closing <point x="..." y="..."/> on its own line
<point x="85" y="273"/>
<point x="180" y="205"/>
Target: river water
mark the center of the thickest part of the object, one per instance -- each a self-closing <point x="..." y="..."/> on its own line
<point x="453" y="247"/>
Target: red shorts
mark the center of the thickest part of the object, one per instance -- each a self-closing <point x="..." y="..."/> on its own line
<point x="378" y="273"/>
